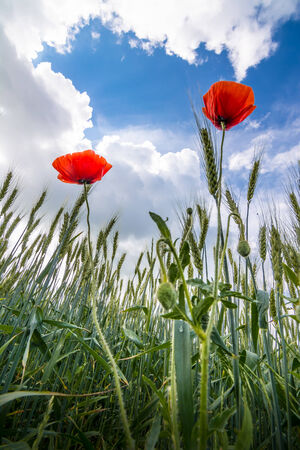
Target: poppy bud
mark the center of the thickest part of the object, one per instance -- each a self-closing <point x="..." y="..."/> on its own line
<point x="244" y="248"/>
<point x="189" y="211"/>
<point x="166" y="295"/>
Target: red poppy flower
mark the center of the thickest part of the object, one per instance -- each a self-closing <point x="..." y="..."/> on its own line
<point x="228" y="102"/>
<point x="81" y="167"/>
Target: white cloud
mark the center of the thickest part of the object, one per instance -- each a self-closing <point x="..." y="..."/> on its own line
<point x="241" y="160"/>
<point x="285" y="159"/>
<point x="95" y="35"/>
<point x="134" y="43"/>
<point x="269" y="144"/>
<point x="142" y="179"/>
<point x="253" y="124"/>
<point x="243" y="28"/>
<point x="28" y="24"/>
<point x="45" y="116"/>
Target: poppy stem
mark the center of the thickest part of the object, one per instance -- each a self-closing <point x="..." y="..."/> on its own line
<point x="221" y="162"/>
<point x="130" y="441"/>
<point x="88" y="225"/>
<point x="203" y="417"/>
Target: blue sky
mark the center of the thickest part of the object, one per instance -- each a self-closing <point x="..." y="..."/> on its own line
<point x="128" y="85"/>
<point x="118" y="76"/>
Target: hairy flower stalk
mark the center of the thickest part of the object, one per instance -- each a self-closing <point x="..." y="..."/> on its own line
<point x="86" y="168"/>
<point x="130" y="441"/>
<point x="203" y="418"/>
<point x="226" y="104"/>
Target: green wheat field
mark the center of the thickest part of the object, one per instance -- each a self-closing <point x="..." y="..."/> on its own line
<point x="177" y="356"/>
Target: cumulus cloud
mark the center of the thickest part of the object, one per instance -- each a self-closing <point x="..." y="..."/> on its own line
<point x="44" y="117"/>
<point x="55" y="23"/>
<point x="145" y="180"/>
<point x="275" y="146"/>
<point x="285" y="159"/>
<point x="244" y="29"/>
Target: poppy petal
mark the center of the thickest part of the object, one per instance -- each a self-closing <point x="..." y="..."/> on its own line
<point x="241" y="116"/>
<point x="80" y="167"/>
<point x="228" y="101"/>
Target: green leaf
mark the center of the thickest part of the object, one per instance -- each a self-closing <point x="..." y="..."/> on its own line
<point x="153" y="434"/>
<point x="249" y="358"/>
<point x="216" y="339"/>
<point x="245" y="435"/>
<point x="54" y="357"/>
<point x="66" y="325"/>
<point x="98" y="358"/>
<point x="183" y="369"/>
<point x="132" y="336"/>
<point x="295" y="364"/>
<point x="161" y="224"/>
<point x="84" y="440"/>
<point x="34" y="322"/>
<point x="235" y="294"/>
<point x="156" y="348"/>
<point x="176" y="314"/>
<point x="219" y="422"/>
<point x="228" y="304"/>
<point x="137" y="308"/>
<point x="19" y="445"/>
<point x="8" y="329"/>
<point x="296" y="374"/>
<point x="254" y="324"/>
<point x="39" y="341"/>
<point x="13" y="310"/>
<point x="291" y="275"/>
<point x="202" y="307"/>
<point x="184" y="255"/>
<point x="161" y="397"/>
<point x="224" y="286"/>
<point x="205" y="288"/>
<point x="215" y="404"/>
<point x="10" y="396"/>
<point x="262" y="301"/>
<point x="181" y="305"/>
<point x="4" y="346"/>
<point x="291" y="299"/>
<point x="173" y="273"/>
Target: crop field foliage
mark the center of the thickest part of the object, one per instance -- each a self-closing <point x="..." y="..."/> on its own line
<point x="195" y="370"/>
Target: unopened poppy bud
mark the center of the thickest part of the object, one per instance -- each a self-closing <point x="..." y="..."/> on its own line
<point x="166" y="295"/>
<point x="244" y="248"/>
<point x="189" y="211"/>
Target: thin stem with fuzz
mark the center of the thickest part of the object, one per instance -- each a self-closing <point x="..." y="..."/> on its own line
<point x="130" y="441"/>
